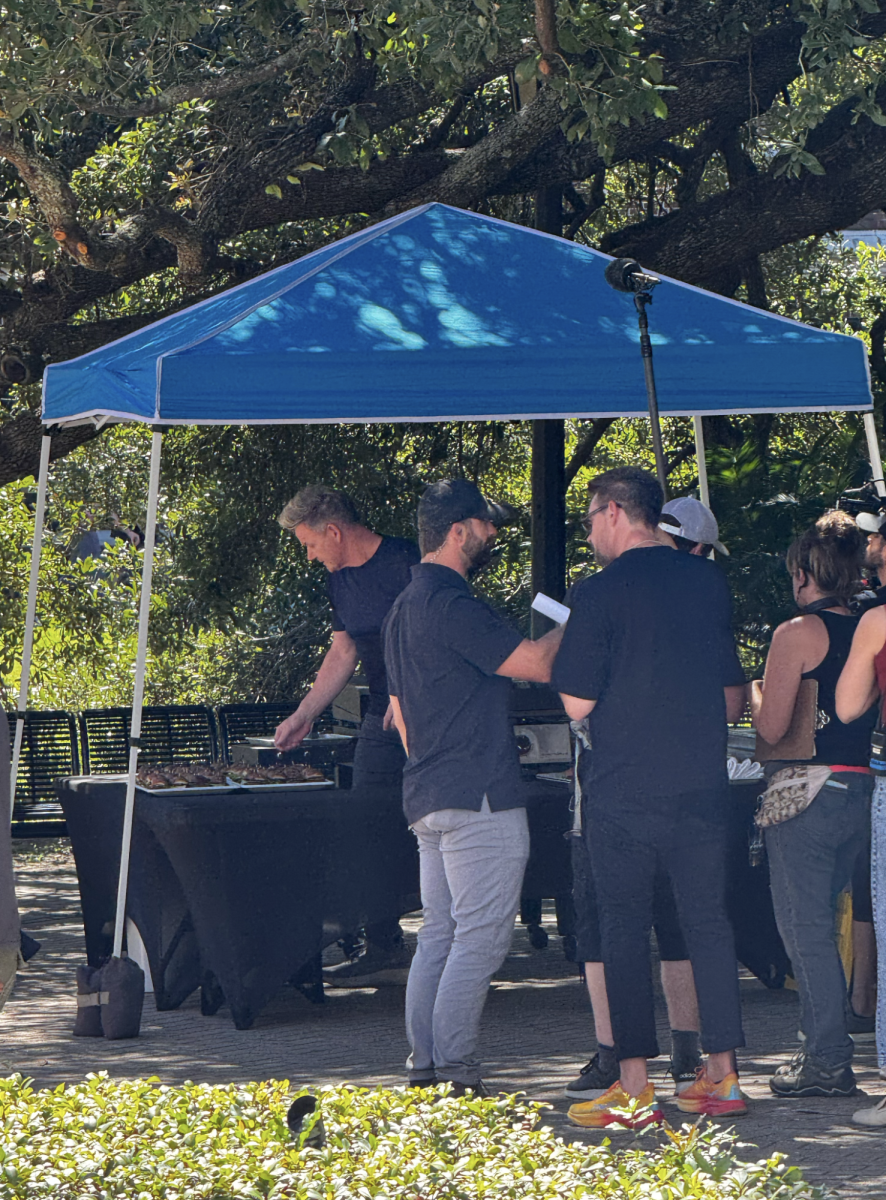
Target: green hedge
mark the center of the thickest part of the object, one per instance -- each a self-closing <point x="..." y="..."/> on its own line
<point x="138" y="1139"/>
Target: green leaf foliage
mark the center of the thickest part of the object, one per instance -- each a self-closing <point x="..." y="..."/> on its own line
<point x="106" y="1139"/>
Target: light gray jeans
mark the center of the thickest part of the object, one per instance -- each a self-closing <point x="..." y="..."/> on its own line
<point x="878" y="894"/>
<point x="472" y="866"/>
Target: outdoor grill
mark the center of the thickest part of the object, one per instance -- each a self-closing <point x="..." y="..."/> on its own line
<point x="541" y="728"/>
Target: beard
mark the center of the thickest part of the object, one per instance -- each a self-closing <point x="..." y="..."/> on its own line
<point x="478" y="552"/>
<point x="873" y="562"/>
<point x="601" y="559"/>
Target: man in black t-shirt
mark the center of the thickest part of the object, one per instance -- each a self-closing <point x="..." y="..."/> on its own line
<point x="366" y="574"/>
<point x="648" y="656"/>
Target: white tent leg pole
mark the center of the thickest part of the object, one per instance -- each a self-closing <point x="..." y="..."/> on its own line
<point x="36" y="549"/>
<point x="139" y="693"/>
<point x="698" y="430"/>
<point x="870" y="432"/>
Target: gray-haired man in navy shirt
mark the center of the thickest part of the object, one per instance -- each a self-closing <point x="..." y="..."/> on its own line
<point x="448" y="658"/>
<point x="366" y="574"/>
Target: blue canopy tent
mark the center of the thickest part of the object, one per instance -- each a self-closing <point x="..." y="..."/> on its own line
<point x="435" y="315"/>
<point x="440" y="315"/>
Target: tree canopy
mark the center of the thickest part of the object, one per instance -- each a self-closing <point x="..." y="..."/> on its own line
<point x="156" y="151"/>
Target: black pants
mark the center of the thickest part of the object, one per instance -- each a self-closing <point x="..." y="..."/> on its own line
<point x="378" y="762"/>
<point x="627" y="845"/>
<point x="589" y="944"/>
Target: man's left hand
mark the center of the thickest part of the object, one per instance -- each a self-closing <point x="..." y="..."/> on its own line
<point x="388" y="722"/>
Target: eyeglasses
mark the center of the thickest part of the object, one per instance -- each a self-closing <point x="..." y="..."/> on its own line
<point x="588" y="521"/>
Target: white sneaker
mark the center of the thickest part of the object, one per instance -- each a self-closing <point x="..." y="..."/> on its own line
<point x="873" y="1118"/>
<point x="883" y="1072"/>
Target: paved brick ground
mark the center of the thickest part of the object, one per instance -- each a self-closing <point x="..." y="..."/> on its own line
<point x="536" y="1033"/>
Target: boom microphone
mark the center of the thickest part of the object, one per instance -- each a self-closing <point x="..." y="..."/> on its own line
<point x="626" y="275"/>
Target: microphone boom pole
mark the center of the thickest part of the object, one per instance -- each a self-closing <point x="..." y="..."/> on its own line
<point x="626" y="275"/>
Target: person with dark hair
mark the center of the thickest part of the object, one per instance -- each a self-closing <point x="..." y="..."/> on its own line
<point x="811" y="854"/>
<point x="648" y="657"/>
<point x="366" y="574"/>
<point x="449" y="657"/>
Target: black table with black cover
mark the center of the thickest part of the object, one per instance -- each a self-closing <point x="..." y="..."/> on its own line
<point x="237" y="890"/>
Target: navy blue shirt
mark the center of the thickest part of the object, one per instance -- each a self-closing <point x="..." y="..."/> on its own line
<point x="442" y="649"/>
<point x="649" y="638"/>
<point x="361" y="598"/>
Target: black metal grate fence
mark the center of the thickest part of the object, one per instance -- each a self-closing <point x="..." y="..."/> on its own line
<point x="49" y="749"/>
<point x="177" y="733"/>
<point x="236" y="722"/>
<point x="96" y="742"/>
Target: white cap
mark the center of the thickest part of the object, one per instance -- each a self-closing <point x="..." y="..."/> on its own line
<point x="694" y="521"/>
<point x="870" y="522"/>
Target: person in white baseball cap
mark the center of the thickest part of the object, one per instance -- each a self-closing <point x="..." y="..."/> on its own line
<point x="874" y="525"/>
<point x="692" y="526"/>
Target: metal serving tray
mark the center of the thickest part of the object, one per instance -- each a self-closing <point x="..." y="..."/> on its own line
<point x="208" y="790"/>
<point x="311" y="785"/>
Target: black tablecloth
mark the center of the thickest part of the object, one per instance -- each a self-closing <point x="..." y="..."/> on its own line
<point x="244" y="888"/>
<point x="758" y="943"/>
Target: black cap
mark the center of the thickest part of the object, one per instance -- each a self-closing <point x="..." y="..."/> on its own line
<point x="454" y="500"/>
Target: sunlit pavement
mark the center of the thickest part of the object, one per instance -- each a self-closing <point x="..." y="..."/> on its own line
<point x="537" y="1033"/>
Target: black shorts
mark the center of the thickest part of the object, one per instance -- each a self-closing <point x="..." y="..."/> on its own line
<point x="671" y="946"/>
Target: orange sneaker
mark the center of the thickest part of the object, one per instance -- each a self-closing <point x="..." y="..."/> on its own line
<point x="723" y="1099"/>
<point x="616" y="1107"/>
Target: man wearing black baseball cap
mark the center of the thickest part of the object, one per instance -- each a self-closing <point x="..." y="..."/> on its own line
<point x="448" y="657"/>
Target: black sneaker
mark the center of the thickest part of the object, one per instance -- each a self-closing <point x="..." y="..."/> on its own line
<point x="806" y="1075"/>
<point x="859" y="1026"/>
<point x="595" y="1078"/>
<point x="374" y="966"/>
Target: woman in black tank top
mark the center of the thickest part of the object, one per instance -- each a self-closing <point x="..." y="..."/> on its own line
<point x="811" y="855"/>
<point x="835" y="743"/>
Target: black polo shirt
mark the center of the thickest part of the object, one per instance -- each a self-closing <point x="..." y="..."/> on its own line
<point x="442" y="649"/>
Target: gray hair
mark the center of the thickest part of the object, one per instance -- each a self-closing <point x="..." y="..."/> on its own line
<point x="317" y="505"/>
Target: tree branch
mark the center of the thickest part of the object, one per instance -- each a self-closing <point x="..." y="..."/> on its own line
<point x="51" y="191"/>
<point x="546" y="32"/>
<point x="703" y="241"/>
<point x="213" y="87"/>
<point x="581" y="456"/>
<point x="20" y="438"/>
<point x="479" y="171"/>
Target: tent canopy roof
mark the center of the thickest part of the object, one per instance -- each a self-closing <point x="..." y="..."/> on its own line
<point x="441" y="314"/>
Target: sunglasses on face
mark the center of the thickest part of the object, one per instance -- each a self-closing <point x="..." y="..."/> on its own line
<point x="588" y="521"/>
